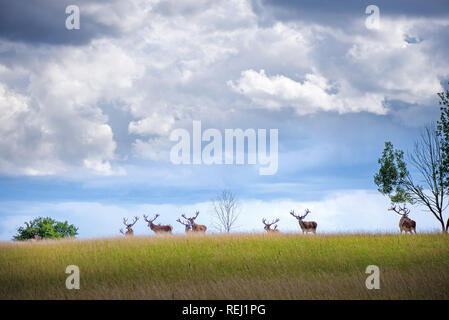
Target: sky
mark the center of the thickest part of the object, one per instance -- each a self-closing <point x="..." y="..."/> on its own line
<point x="86" y="115"/>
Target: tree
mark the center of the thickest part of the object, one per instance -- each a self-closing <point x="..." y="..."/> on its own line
<point x="226" y="210"/>
<point x="45" y="228"/>
<point x="391" y="176"/>
<point x="394" y="180"/>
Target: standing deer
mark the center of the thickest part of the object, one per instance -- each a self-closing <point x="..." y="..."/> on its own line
<point x="405" y="223"/>
<point x="157" y="228"/>
<point x="187" y="225"/>
<point x="129" y="230"/>
<point x="268" y="225"/>
<point x="195" y="227"/>
<point x="306" y="226"/>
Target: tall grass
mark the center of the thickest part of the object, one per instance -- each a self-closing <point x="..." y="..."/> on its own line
<point x="236" y="266"/>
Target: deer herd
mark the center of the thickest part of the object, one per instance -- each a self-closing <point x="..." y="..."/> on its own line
<point x="405" y="223"/>
<point x="189" y="223"/>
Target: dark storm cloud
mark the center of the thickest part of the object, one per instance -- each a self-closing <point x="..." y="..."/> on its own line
<point x="334" y="12"/>
<point x="43" y="21"/>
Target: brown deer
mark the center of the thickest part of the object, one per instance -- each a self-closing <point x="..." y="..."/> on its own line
<point x="195" y="227"/>
<point x="306" y="226"/>
<point x="268" y="225"/>
<point x="157" y="228"/>
<point x="405" y="223"/>
<point x="187" y="225"/>
<point x="129" y="229"/>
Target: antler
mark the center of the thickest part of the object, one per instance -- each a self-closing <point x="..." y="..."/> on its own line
<point x="121" y="231"/>
<point x="125" y="221"/>
<point x="293" y="214"/>
<point x="183" y="223"/>
<point x="307" y="211"/>
<point x="405" y="210"/>
<point x="196" y="215"/>
<point x="398" y="211"/>
<point x="269" y="224"/>
<point x="150" y="220"/>
<point x="136" y="218"/>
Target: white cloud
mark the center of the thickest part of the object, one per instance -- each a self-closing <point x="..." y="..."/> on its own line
<point x="410" y="72"/>
<point x="156" y="124"/>
<point x="310" y="96"/>
<point x="58" y="125"/>
<point x="171" y="62"/>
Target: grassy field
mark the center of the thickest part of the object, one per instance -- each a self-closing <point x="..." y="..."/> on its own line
<point x="240" y="266"/>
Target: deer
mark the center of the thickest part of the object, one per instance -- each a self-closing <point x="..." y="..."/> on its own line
<point x="268" y="225"/>
<point x="129" y="230"/>
<point x="405" y="223"/>
<point x="306" y="226"/>
<point x="195" y="227"/>
<point x="187" y="225"/>
<point x="157" y="228"/>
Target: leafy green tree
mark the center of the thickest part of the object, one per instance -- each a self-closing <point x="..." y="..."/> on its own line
<point x="392" y="175"/>
<point x="443" y="133"/>
<point x="45" y="228"/>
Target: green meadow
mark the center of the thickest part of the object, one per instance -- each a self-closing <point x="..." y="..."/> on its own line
<point x="235" y="266"/>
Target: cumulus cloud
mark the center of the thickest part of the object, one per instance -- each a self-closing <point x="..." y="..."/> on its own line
<point x="166" y="63"/>
<point x="58" y="124"/>
<point x="312" y="95"/>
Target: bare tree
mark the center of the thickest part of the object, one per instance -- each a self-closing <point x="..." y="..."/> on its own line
<point x="226" y="210"/>
<point x="428" y="161"/>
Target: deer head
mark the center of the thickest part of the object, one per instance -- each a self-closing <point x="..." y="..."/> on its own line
<point x="400" y="211"/>
<point x="129" y="230"/>
<point x="150" y="221"/>
<point x="268" y="225"/>
<point x="186" y="224"/>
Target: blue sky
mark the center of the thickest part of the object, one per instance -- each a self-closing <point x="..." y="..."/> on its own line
<point x="86" y="115"/>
